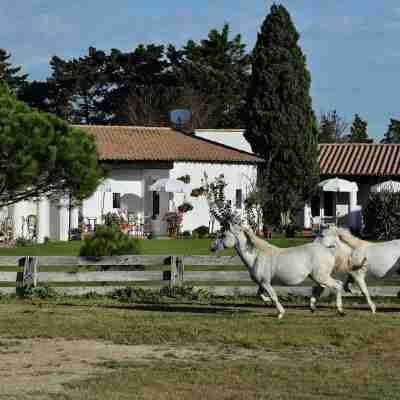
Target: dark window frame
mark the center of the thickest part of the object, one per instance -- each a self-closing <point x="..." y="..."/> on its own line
<point x="239" y="198"/>
<point x="116" y="200"/>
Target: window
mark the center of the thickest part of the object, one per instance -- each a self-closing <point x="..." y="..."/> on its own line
<point x="238" y="198"/>
<point x="156" y="205"/>
<point x="329" y="204"/>
<point x="315" y="206"/>
<point x="116" y="200"/>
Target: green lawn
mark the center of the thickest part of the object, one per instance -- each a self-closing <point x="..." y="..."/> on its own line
<point x="195" y="351"/>
<point x="148" y="247"/>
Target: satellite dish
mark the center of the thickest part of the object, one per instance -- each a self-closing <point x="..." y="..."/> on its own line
<point x="180" y="117"/>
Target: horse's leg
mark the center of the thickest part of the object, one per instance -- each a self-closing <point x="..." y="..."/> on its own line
<point x="349" y="281"/>
<point x="359" y="277"/>
<point x="316" y="294"/>
<point x="261" y="293"/>
<point x="337" y="286"/>
<point x="272" y="294"/>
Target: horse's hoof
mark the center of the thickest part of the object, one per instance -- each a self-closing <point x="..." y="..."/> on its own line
<point x="341" y="313"/>
<point x="312" y="310"/>
<point x="280" y="316"/>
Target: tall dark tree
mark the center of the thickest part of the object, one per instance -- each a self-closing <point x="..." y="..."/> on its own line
<point x="36" y="94"/>
<point x="76" y="87"/>
<point x="61" y="88"/>
<point x="332" y="127"/>
<point x="358" y="131"/>
<point x="280" y="123"/>
<point x="9" y="74"/>
<point x="392" y="135"/>
<point x="140" y="86"/>
<point x="216" y="70"/>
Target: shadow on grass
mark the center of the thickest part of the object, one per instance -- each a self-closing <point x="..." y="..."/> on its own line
<point x="232" y="308"/>
<point x="183" y="308"/>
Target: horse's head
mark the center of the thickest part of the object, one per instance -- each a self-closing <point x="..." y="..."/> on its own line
<point x="328" y="237"/>
<point x="331" y="238"/>
<point x="227" y="239"/>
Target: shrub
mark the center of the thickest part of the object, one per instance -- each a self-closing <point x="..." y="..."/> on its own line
<point x="200" y="232"/>
<point x="184" y="178"/>
<point x="186" y="235"/>
<point x="381" y="215"/>
<point x="185" y="207"/>
<point x="290" y="230"/>
<point x="113" y="218"/>
<point x="108" y="240"/>
<point x="22" y="242"/>
<point x="132" y="294"/>
<point x="40" y="292"/>
<point x="197" y="192"/>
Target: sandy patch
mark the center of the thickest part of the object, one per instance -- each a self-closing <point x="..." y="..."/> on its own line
<point x="34" y="365"/>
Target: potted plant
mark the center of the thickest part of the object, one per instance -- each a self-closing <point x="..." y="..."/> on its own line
<point x="185" y="207"/>
<point x="174" y="220"/>
<point x="116" y="219"/>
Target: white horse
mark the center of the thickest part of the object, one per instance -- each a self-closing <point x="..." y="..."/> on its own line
<point x="290" y="266"/>
<point x="369" y="259"/>
<point x="344" y="265"/>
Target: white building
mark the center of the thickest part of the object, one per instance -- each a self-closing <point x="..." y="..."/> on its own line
<point x="137" y="157"/>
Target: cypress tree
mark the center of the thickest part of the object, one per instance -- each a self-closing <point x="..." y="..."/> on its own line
<point x="280" y="123"/>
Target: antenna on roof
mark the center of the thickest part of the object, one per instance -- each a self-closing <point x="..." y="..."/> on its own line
<point x="179" y="117"/>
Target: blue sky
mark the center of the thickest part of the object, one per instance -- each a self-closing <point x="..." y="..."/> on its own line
<point x="352" y="47"/>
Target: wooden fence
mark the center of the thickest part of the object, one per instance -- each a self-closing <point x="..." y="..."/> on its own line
<point x="78" y="275"/>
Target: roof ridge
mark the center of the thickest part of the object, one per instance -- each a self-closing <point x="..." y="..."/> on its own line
<point x="124" y="126"/>
<point x="133" y="143"/>
<point x="359" y="144"/>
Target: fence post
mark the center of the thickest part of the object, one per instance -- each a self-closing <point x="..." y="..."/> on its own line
<point x="177" y="269"/>
<point x="30" y="272"/>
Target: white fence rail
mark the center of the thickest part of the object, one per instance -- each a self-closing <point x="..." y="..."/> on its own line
<point x="70" y="275"/>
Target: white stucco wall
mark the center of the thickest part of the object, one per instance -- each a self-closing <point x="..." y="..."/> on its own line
<point x="237" y="176"/>
<point x="229" y="137"/>
<point x="132" y="184"/>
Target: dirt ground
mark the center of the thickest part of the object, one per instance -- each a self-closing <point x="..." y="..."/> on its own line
<point x="32" y="365"/>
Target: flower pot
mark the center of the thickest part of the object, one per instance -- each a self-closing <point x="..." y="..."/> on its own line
<point x="267" y="232"/>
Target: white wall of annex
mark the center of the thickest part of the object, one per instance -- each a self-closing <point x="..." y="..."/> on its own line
<point x="237" y="176"/>
<point x="233" y="138"/>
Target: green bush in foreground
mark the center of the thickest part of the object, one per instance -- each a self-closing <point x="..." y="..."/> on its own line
<point x="108" y="240"/>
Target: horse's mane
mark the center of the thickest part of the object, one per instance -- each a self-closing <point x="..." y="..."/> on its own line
<point x="347" y="237"/>
<point x="260" y="244"/>
<point x="344" y="246"/>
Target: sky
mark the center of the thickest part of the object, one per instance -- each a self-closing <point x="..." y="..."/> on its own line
<point x="352" y="47"/>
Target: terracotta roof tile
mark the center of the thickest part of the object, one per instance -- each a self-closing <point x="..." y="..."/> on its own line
<point x="360" y="159"/>
<point x="131" y="143"/>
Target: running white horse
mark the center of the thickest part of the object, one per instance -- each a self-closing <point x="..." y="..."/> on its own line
<point x="289" y="266"/>
<point x="344" y="266"/>
<point x="377" y="260"/>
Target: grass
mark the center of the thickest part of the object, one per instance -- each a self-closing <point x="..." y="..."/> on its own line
<point x="148" y="247"/>
<point x="303" y="356"/>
